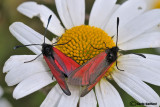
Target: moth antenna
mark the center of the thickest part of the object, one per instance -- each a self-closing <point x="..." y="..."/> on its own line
<point x="112" y="36"/>
<point x="49" y="19"/>
<point x="117" y="42"/>
<point x="61" y="44"/>
<point x="19" y="46"/>
<point x="97" y="48"/>
<point x="117" y="31"/>
<point x="105" y="45"/>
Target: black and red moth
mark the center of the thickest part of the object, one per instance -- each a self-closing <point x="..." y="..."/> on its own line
<point x="59" y="64"/>
<point x="92" y="71"/>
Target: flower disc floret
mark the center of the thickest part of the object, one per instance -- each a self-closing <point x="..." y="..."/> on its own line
<point x="84" y="42"/>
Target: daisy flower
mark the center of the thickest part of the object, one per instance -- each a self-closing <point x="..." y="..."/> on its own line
<point x="3" y="101"/>
<point x="136" y="22"/>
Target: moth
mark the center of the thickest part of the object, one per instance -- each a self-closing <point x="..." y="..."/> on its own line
<point x="59" y="64"/>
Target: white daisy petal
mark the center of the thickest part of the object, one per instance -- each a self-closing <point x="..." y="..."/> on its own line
<point x="26" y="36"/>
<point x="136" y="88"/>
<point x="16" y="60"/>
<point x="53" y="97"/>
<point x="151" y="3"/>
<point x="77" y="11"/>
<point x="32" y="9"/>
<point x="139" y="25"/>
<point x="147" y="69"/>
<point x="99" y="95"/>
<point x="4" y="103"/>
<point x="110" y="96"/>
<point x="63" y="12"/>
<point x="134" y="7"/>
<point x="54" y="40"/>
<point x="71" y="12"/>
<point x="147" y="40"/>
<point x="88" y="100"/>
<point x="100" y="12"/>
<point x="70" y="101"/>
<point x="32" y="84"/>
<point x="16" y="66"/>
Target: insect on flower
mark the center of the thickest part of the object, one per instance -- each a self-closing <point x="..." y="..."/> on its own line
<point x="59" y="64"/>
<point x="92" y="71"/>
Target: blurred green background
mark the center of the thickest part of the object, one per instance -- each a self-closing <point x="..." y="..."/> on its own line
<point x="8" y="15"/>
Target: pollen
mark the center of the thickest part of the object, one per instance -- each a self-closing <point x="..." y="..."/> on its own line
<point x="156" y="4"/>
<point x="82" y="43"/>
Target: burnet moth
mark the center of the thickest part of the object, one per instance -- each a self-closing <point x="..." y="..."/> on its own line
<point x="59" y="64"/>
<point x="92" y="71"/>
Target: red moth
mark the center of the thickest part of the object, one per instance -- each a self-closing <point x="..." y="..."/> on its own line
<point x="59" y="64"/>
<point x="92" y="71"/>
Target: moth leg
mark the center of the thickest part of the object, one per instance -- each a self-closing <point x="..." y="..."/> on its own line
<point x="33" y="59"/>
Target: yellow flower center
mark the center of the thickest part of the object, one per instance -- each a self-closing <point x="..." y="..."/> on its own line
<point x="85" y="42"/>
<point x="156" y="4"/>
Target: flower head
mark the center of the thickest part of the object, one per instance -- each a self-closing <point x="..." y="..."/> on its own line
<point x="135" y="32"/>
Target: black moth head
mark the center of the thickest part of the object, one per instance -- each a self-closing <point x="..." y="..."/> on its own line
<point x="47" y="50"/>
<point x="112" y="54"/>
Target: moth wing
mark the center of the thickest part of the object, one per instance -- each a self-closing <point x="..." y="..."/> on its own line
<point x="88" y="72"/>
<point x="66" y="63"/>
<point x="58" y="74"/>
<point x="90" y="86"/>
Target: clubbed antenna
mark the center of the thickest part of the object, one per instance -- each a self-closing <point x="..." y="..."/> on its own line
<point x="47" y="27"/>
<point x="44" y="36"/>
<point x="117" y="31"/>
<point x="19" y="46"/>
<point x="117" y="42"/>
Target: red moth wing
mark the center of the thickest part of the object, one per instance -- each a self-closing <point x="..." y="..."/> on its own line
<point x="58" y="74"/>
<point x="90" y="86"/>
<point x="88" y="72"/>
<point x="67" y="64"/>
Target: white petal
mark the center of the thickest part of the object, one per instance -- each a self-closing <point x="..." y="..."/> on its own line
<point x="110" y="96"/>
<point x="139" y="25"/>
<point x="63" y="12"/>
<point x="154" y="29"/>
<point x="71" y="12"/>
<point x="147" y="40"/>
<point x="100" y="12"/>
<point x="136" y="88"/>
<point x="54" y="40"/>
<point x="26" y="36"/>
<point x="4" y="103"/>
<point x="77" y="11"/>
<point x="32" y="9"/>
<point x="126" y="12"/>
<point x="1" y="92"/>
<point x="146" y="69"/>
<point x="53" y="97"/>
<point x="18" y="70"/>
<point x="70" y="101"/>
<point x="88" y="100"/>
<point x="16" y="60"/>
<point x="32" y="84"/>
<point x="151" y="3"/>
<point x="99" y="95"/>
